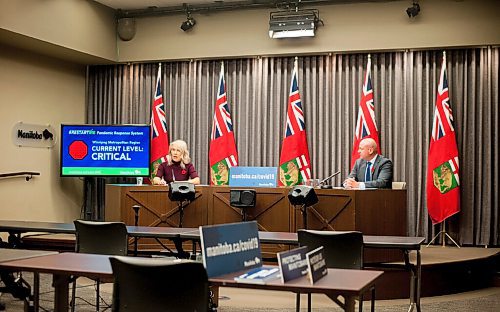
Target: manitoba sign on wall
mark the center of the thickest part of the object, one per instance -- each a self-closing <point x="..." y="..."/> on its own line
<point x="24" y="134"/>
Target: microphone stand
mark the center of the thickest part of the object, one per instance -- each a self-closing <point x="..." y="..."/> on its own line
<point x="322" y="182"/>
<point x="303" y="209"/>
<point x="181" y="212"/>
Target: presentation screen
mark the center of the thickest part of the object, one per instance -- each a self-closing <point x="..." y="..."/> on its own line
<point x="105" y="150"/>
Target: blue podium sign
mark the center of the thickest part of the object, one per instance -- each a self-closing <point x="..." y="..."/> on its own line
<point x="230" y="247"/>
<point x="253" y="176"/>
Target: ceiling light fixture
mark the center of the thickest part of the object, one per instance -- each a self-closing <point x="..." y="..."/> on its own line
<point x="189" y="22"/>
<point x="413" y="10"/>
<point x="293" y="24"/>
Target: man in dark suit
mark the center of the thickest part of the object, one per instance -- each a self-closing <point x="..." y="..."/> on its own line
<point x="371" y="170"/>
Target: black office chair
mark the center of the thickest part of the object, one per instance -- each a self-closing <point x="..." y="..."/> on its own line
<point x="105" y="238"/>
<point x="145" y="284"/>
<point x="343" y="250"/>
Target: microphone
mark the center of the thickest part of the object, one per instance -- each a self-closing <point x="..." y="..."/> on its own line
<point x="322" y="182"/>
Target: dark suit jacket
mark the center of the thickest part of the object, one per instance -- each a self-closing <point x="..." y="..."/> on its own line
<point x="382" y="172"/>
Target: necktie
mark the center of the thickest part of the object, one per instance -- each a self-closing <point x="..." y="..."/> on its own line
<point x="368" y="173"/>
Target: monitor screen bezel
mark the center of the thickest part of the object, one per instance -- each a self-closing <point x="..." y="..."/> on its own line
<point x="145" y="127"/>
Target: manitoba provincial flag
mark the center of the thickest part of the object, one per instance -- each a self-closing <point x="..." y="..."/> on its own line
<point x="159" y="133"/>
<point x="295" y="164"/>
<point x="223" y="154"/>
<point x="366" y="126"/>
<point x="443" y="182"/>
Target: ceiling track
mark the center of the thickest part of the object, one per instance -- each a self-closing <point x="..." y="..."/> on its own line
<point x="229" y="6"/>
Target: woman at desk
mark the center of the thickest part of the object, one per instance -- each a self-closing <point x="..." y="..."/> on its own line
<point x="178" y="166"/>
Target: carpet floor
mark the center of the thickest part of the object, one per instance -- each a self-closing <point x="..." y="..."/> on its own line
<point x="246" y="300"/>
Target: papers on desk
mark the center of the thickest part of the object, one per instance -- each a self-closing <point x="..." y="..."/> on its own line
<point x="259" y="275"/>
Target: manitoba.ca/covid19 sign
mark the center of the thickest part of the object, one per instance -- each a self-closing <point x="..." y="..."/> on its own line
<point x="111" y="150"/>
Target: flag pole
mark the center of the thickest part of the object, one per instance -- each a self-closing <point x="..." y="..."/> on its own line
<point x="439" y="130"/>
<point x="443" y="236"/>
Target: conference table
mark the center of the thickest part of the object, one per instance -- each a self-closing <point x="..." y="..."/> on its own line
<point x="62" y="266"/>
<point x="16" y="228"/>
<point x="346" y="283"/>
<point x="403" y="243"/>
<point x="9" y="254"/>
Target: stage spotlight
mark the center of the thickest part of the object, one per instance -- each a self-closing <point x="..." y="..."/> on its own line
<point x="243" y="199"/>
<point x="181" y="191"/>
<point x="188" y="24"/>
<point x="413" y="10"/>
<point x="303" y="196"/>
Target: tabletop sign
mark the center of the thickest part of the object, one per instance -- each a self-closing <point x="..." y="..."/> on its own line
<point x="230" y="247"/>
<point x="316" y="265"/>
<point x="292" y="263"/>
<point x="253" y="176"/>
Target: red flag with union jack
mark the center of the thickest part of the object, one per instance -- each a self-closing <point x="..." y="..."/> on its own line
<point x="443" y="183"/>
<point x="366" y="126"/>
<point x="295" y="164"/>
<point x="222" y="154"/>
<point x="159" y="134"/>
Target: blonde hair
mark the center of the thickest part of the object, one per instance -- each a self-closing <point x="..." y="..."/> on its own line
<point x="182" y="146"/>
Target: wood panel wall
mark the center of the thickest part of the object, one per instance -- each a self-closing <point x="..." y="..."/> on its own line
<point x="373" y="212"/>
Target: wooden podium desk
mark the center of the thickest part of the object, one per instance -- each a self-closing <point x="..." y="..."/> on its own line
<point x="373" y="212"/>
